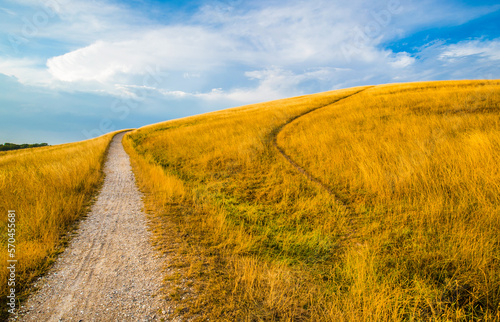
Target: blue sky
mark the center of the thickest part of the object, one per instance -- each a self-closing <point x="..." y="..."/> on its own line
<point x="74" y="69"/>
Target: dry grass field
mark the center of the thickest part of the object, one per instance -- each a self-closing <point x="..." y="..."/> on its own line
<point x="378" y="203"/>
<point x="409" y="231"/>
<point x="418" y="167"/>
<point x="49" y="188"/>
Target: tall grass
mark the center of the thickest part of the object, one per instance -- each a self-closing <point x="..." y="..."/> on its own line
<point x="49" y="188"/>
<point x="414" y="236"/>
<point x="419" y="163"/>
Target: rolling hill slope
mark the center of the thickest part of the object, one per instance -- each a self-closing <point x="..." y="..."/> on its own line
<point x="386" y="206"/>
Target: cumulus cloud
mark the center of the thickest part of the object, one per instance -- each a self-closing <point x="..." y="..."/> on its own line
<point x="172" y="49"/>
<point x="288" y="44"/>
<point x="252" y="53"/>
<point x="76" y="62"/>
<point x="25" y="69"/>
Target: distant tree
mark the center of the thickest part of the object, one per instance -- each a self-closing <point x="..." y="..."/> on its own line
<point x="12" y="146"/>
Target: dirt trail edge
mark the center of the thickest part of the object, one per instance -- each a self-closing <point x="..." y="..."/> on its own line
<point x="110" y="271"/>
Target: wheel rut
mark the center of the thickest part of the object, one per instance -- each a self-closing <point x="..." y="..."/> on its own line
<point x="299" y="168"/>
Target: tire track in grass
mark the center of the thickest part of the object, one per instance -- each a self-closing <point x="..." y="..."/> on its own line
<point x="299" y="168"/>
<point x="351" y="234"/>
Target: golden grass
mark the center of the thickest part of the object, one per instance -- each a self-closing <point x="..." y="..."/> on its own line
<point x="49" y="188"/>
<point x="415" y="236"/>
<point x="419" y="164"/>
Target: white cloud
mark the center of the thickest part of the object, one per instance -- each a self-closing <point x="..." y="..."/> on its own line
<point x="272" y="50"/>
<point x="176" y="94"/>
<point x="171" y="48"/>
<point x="296" y="38"/>
<point x="273" y="83"/>
<point x="487" y="49"/>
<point x="26" y="70"/>
<point x="402" y="60"/>
<point x="174" y="64"/>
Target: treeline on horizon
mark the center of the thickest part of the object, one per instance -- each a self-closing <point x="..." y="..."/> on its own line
<point x="12" y="146"/>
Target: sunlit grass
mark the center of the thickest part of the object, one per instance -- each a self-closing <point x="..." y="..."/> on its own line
<point x="420" y="164"/>
<point x="414" y="236"/>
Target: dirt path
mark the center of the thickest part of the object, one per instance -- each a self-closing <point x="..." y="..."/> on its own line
<point x="110" y="271"/>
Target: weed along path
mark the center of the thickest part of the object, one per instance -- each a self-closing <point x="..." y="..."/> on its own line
<point x="110" y="271"/>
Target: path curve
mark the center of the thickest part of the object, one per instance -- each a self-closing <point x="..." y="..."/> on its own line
<point x="110" y="271"/>
<point x="303" y="171"/>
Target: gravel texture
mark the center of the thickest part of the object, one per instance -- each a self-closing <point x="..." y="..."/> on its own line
<point x="110" y="271"/>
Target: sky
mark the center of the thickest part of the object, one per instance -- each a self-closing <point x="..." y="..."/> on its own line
<point x="75" y="69"/>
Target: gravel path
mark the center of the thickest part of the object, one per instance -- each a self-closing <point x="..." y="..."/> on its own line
<point x="110" y="271"/>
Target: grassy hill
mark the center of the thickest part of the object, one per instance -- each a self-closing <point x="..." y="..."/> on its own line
<point x="364" y="204"/>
